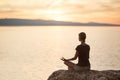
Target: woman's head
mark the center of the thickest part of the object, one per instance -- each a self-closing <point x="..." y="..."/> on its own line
<point x="82" y="36"/>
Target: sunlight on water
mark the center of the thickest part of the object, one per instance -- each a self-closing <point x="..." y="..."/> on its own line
<point x="33" y="53"/>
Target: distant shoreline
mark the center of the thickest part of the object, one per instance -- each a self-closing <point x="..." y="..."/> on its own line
<point x="36" y="22"/>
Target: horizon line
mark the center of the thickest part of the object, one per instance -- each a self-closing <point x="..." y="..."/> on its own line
<point x="60" y="20"/>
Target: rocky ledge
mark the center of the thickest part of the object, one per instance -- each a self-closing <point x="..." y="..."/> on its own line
<point x="85" y="75"/>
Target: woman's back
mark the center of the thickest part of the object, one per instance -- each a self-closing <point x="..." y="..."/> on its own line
<point x="83" y="55"/>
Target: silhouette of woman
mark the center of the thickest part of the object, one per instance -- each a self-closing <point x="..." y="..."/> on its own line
<point x="82" y="53"/>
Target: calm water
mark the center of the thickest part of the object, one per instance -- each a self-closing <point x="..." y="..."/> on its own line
<point x="33" y="53"/>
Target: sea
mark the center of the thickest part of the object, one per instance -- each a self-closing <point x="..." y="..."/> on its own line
<point x="34" y="52"/>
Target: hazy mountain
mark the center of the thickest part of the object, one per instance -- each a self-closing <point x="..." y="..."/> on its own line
<point x="37" y="22"/>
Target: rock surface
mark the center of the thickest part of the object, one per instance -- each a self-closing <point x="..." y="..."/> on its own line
<point x="86" y="75"/>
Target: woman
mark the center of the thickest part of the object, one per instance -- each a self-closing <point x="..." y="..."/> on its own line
<point x="82" y="53"/>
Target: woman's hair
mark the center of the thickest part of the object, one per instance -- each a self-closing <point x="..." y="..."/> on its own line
<point x="82" y="36"/>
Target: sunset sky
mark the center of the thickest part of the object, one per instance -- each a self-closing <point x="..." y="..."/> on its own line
<point x="107" y="11"/>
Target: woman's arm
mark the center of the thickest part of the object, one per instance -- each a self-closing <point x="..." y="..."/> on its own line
<point x="74" y="58"/>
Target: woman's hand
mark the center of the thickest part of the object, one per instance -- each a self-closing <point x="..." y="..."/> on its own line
<point x="63" y="59"/>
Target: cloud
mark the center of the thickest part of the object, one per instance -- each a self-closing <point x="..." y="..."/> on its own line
<point x="70" y="8"/>
<point x="85" y="8"/>
<point x="115" y="1"/>
<point x="8" y="11"/>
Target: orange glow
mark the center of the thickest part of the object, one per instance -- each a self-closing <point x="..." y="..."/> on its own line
<point x="106" y="11"/>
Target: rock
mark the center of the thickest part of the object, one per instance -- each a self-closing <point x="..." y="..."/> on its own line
<point x="85" y="75"/>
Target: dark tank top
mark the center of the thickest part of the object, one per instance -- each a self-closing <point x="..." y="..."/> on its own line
<point x="83" y="55"/>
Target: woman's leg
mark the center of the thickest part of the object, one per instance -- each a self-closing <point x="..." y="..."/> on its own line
<point x="70" y="65"/>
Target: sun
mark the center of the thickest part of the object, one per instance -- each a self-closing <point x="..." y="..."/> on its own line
<point x="58" y="18"/>
<point x="54" y="12"/>
<point x="57" y="15"/>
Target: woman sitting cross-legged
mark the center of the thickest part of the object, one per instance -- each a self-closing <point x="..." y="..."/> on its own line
<point x="82" y="53"/>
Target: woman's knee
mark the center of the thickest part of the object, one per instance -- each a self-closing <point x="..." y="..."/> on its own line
<point x="66" y="62"/>
<point x="70" y="68"/>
